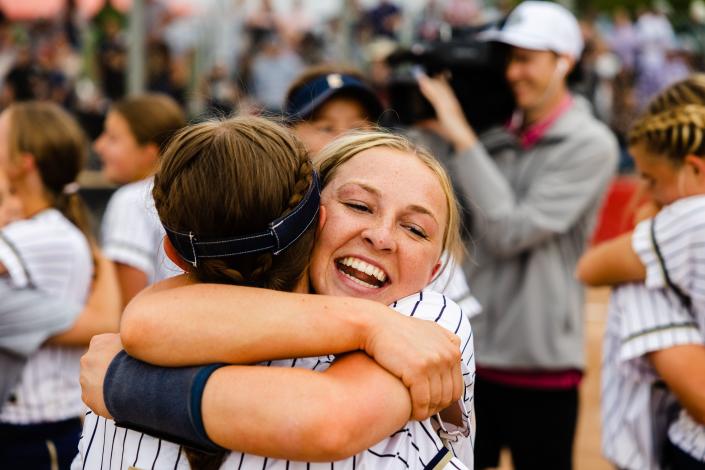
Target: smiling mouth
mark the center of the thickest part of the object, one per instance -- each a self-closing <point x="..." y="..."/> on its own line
<point x="362" y="272"/>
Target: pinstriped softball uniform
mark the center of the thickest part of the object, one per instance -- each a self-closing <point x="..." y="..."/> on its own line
<point x="132" y="233"/>
<point x="640" y="321"/>
<point x="680" y="233"/>
<point x="103" y="445"/>
<point x="49" y="252"/>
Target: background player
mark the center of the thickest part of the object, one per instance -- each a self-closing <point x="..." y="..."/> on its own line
<point x="135" y="130"/>
<point x="42" y="150"/>
<point x="653" y="333"/>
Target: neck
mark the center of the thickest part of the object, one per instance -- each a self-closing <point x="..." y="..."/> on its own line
<point x="31" y="193"/>
<point x="545" y="108"/>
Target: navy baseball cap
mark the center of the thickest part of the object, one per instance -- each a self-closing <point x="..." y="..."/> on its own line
<point x="307" y="98"/>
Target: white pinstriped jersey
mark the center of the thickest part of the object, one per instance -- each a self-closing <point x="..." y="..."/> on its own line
<point x="132" y="233"/>
<point x="640" y="320"/>
<point x="49" y="252"/>
<point x="452" y="283"/>
<point x="103" y="445"/>
<point x="680" y="234"/>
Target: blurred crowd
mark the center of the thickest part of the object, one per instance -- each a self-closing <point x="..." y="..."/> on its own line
<point x="228" y="55"/>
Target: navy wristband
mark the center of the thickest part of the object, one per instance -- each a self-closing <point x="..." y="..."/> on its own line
<point x="162" y="401"/>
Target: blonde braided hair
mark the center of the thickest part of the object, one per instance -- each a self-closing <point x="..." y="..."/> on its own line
<point x="674" y="122"/>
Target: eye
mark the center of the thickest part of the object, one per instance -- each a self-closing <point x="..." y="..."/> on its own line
<point x="357" y="206"/>
<point x="417" y="231"/>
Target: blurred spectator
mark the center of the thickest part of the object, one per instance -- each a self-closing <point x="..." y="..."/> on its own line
<point x="461" y="13"/>
<point x="261" y="22"/>
<point x="656" y="37"/>
<point x="112" y="58"/>
<point x="384" y="19"/>
<point x="273" y="68"/>
<point x="624" y="40"/>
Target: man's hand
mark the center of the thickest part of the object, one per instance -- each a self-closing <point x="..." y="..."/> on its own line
<point x="94" y="365"/>
<point x="426" y="358"/>
<point x="448" y="111"/>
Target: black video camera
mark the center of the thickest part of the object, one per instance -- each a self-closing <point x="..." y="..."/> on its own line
<point x="476" y="76"/>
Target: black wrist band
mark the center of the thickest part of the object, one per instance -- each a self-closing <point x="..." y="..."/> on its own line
<point x="162" y="401"/>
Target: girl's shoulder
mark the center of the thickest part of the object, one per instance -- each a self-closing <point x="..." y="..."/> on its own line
<point x="49" y="225"/>
<point x="436" y="307"/>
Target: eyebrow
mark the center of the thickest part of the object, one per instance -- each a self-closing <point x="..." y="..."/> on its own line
<point x="374" y="191"/>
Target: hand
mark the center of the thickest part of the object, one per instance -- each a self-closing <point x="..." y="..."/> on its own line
<point x="94" y="365"/>
<point x="424" y="356"/>
<point x="448" y="110"/>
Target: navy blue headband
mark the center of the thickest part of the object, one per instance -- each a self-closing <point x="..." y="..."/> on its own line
<point x="280" y="234"/>
<point x="314" y="93"/>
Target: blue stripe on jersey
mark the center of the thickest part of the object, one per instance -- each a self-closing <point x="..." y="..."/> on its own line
<point x="90" y="443"/>
<point x="440" y="314"/>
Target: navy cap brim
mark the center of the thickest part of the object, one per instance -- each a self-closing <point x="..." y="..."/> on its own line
<point x="313" y="95"/>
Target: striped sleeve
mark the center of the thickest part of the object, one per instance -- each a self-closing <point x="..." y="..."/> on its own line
<point x="129" y="227"/>
<point x="680" y="234"/>
<point x="652" y="319"/>
<point x="432" y="306"/>
<point x="14" y="264"/>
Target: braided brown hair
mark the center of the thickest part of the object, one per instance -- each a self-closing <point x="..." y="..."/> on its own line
<point x="232" y="177"/>
<point x="674" y="122"/>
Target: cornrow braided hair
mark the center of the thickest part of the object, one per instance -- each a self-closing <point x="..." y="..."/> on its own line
<point x="677" y="132"/>
<point x="674" y="123"/>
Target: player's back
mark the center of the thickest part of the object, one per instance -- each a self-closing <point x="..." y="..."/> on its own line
<point x="48" y="252"/>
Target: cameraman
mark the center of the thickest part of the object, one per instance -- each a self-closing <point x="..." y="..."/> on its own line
<point x="535" y="186"/>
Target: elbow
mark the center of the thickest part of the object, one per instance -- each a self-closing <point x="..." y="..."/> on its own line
<point x="583" y="272"/>
<point x="136" y="332"/>
<point x="698" y="414"/>
<point x="334" y="442"/>
<point x="591" y="273"/>
<point x="329" y="434"/>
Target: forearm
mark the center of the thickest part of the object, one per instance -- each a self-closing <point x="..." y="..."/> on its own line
<point x="101" y="313"/>
<point x="90" y="322"/>
<point x="326" y="416"/>
<point x="610" y="263"/>
<point x="683" y="370"/>
<point x="205" y="323"/>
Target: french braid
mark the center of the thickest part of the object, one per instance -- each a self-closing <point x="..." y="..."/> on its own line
<point x="674" y="123"/>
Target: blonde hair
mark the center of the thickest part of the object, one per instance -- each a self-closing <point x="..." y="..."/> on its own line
<point x="344" y="148"/>
<point x="674" y="123"/>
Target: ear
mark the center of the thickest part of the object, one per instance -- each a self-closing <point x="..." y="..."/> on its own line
<point x="564" y="65"/>
<point x="152" y="150"/>
<point x="697" y="164"/>
<point x="23" y="164"/>
<point x="174" y="256"/>
<point x="435" y="271"/>
<point x="322" y="216"/>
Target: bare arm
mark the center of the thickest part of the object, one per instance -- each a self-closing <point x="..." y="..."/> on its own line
<point x="101" y="314"/>
<point x="131" y="281"/>
<point x="208" y="323"/>
<point x="329" y="416"/>
<point x="610" y="263"/>
<point x="683" y="370"/>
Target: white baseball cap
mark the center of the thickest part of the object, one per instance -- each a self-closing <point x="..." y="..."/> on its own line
<point x="543" y="26"/>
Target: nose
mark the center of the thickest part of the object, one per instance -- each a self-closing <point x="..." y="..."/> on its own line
<point x="380" y="237"/>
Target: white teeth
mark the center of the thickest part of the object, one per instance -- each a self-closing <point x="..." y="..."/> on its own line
<point x="361" y="282"/>
<point x="364" y="267"/>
